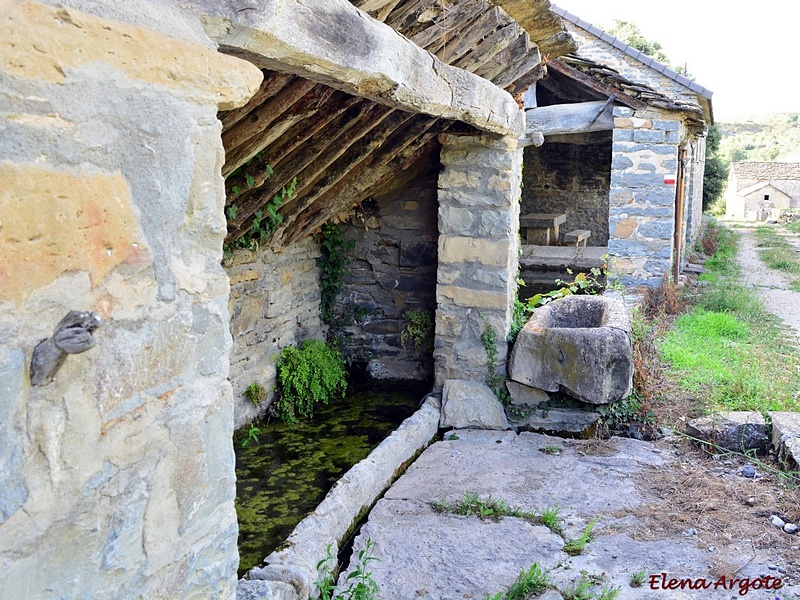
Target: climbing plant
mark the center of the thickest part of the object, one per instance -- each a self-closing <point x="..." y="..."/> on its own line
<point x="333" y="263"/>
<point x="266" y="220"/>
<point x="308" y="375"/>
<point x="496" y="381"/>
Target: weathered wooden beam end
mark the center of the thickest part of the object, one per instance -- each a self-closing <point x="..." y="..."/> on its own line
<point x="535" y="138"/>
<point x="72" y="335"/>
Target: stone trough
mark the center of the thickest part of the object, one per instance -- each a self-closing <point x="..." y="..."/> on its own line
<point x="579" y="345"/>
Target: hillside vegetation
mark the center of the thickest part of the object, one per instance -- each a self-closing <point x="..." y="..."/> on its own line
<point x="764" y="138"/>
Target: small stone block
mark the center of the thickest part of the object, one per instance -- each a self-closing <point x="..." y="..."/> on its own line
<point x="471" y="404"/>
<point x="735" y="430"/>
<point x="525" y="395"/>
<point x="622" y="111"/>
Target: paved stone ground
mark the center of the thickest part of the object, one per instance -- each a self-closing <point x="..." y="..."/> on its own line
<point x="426" y="555"/>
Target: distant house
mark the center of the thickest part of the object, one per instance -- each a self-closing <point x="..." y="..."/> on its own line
<point x="761" y="190"/>
<point x="623" y="156"/>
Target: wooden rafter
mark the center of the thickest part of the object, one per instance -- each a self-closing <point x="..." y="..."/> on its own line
<point x="341" y="147"/>
<point x="598" y="86"/>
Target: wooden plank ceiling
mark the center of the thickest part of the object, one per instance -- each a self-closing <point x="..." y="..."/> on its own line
<point x="341" y="148"/>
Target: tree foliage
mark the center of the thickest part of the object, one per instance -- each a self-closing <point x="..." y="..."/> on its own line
<point x="631" y="35"/>
<point x="716" y="170"/>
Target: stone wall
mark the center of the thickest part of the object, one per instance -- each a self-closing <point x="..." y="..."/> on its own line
<point x="274" y="303"/>
<point x="479" y="191"/>
<point x="116" y="479"/>
<point x="393" y="271"/>
<point x="572" y="179"/>
<point x="696" y="159"/>
<point x="642" y="205"/>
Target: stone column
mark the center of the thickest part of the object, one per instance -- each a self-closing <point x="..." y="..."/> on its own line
<point x="479" y="191"/>
<point x="641" y="205"/>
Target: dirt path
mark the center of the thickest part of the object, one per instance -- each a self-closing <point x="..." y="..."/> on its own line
<point x="773" y="284"/>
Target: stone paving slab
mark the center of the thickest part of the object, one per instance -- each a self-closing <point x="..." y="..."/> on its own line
<point x="425" y="555"/>
<point x="786" y="436"/>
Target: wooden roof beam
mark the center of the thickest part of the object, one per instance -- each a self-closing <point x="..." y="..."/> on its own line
<point x="594" y="84"/>
<point x="560" y="119"/>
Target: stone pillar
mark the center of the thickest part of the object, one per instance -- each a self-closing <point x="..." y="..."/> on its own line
<point x="117" y="478"/>
<point x="641" y="205"/>
<point x="479" y="191"/>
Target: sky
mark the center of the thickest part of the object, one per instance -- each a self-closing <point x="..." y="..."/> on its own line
<point x="746" y="53"/>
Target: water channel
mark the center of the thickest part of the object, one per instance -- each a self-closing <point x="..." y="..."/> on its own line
<point x="286" y="475"/>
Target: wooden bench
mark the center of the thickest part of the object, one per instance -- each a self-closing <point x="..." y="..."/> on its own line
<point x="541" y="229"/>
<point x="577" y="237"/>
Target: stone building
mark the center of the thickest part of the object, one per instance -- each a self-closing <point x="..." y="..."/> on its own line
<point x="139" y="137"/>
<point x="165" y="171"/>
<point x="758" y="191"/>
<point x="623" y="157"/>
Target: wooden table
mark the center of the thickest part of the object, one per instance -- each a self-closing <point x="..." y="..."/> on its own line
<point x="541" y="229"/>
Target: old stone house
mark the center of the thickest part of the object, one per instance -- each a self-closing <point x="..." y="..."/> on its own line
<point x="632" y="178"/>
<point x="141" y="139"/>
<point x="762" y="190"/>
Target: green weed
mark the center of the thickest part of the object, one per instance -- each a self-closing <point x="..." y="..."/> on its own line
<point x="360" y="584"/>
<point x="528" y="582"/>
<point x="575" y="546"/>
<point x="419" y="327"/>
<point x="256" y="393"/>
<point x="252" y="436"/>
<point x="551" y="519"/>
<point x="637" y="578"/>
<point x="579" y="590"/>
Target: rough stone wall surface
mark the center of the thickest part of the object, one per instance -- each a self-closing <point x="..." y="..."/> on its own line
<point x="696" y="157"/>
<point x="274" y="303"/>
<point x="572" y="179"/>
<point x="393" y="271"/>
<point x="117" y="479"/>
<point x="479" y="191"/>
<point x="601" y="51"/>
<point x="642" y="206"/>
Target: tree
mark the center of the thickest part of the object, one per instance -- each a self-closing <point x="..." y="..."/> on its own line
<point x="716" y="170"/>
<point x="631" y="35"/>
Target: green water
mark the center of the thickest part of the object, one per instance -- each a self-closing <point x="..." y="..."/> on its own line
<point x="288" y="474"/>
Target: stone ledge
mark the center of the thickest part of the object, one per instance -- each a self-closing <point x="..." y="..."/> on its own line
<point x="372" y="60"/>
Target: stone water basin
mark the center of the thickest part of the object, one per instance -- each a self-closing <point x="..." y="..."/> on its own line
<point x="580" y="345"/>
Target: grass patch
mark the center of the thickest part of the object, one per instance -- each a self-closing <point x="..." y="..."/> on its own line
<point x="729" y="350"/>
<point x="794" y="226"/>
<point x="528" y="582"/>
<point x="472" y="505"/>
<point x="776" y="252"/>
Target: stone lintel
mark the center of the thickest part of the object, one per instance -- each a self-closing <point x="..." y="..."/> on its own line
<point x="332" y="42"/>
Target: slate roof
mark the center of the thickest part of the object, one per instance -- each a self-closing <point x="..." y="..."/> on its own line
<point x="643" y="92"/>
<point x="766" y="171"/>
<point x="757" y="186"/>
<point x="633" y="52"/>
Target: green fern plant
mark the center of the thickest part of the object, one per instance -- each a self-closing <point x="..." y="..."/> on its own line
<point x="311" y="374"/>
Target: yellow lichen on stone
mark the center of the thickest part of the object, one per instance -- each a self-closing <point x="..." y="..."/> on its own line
<point x="45" y="43"/>
<point x="53" y="222"/>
